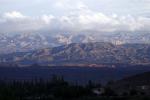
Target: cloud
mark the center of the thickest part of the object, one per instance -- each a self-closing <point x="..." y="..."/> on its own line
<point x="47" y="18"/>
<point x="16" y="22"/>
<point x="83" y="20"/>
<point x="73" y="16"/>
<point x="13" y="15"/>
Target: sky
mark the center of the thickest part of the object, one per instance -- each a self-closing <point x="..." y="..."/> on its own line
<point x="74" y="16"/>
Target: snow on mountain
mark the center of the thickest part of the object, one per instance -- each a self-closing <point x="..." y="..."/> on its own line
<point x="29" y="41"/>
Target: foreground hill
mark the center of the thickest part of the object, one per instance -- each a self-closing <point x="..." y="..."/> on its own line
<point x="71" y="74"/>
<point x="136" y="80"/>
<point x="81" y="54"/>
<point x="136" y="84"/>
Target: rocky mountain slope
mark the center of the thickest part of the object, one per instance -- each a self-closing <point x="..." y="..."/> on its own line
<point x="91" y="54"/>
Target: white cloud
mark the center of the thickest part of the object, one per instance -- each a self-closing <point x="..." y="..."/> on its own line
<point x="74" y="16"/>
<point x="16" y="22"/>
<point x="14" y="15"/>
<point x="47" y="18"/>
<point x="76" y="22"/>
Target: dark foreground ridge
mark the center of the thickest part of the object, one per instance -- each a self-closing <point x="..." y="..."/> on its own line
<point x="75" y="74"/>
<point x="58" y="89"/>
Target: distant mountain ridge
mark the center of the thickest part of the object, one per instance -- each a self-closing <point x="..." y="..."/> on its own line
<point x="28" y="41"/>
<point x="91" y="54"/>
<point x="25" y="42"/>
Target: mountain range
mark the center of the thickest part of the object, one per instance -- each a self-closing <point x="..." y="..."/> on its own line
<point x="25" y="42"/>
<point x="96" y="54"/>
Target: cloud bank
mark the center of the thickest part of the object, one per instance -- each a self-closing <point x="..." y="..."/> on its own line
<point x="79" y="16"/>
<point x="76" y="23"/>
